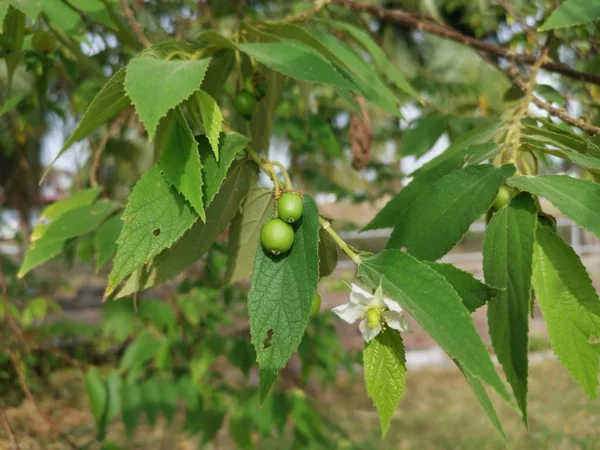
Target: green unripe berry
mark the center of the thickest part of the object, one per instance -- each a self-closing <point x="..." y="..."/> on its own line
<point x="505" y="194"/>
<point x="290" y="207"/>
<point x="43" y="42"/>
<point x="245" y="104"/>
<point x="276" y="236"/>
<point x="316" y="305"/>
<point x="373" y="317"/>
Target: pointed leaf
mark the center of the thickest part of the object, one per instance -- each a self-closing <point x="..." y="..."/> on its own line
<point x="444" y="213"/>
<point x="131" y="406"/>
<point x="106" y="240"/>
<point x="140" y="351"/>
<point x="198" y="239"/>
<point x="570" y="306"/>
<point x="180" y="162"/>
<point x="474" y="293"/>
<point x="98" y="397"/>
<point x="571" y="13"/>
<point x="244" y="234"/>
<point x="384" y="363"/>
<point x="156" y="216"/>
<point x="507" y="260"/>
<point x="212" y="119"/>
<point x="170" y="83"/>
<point x="31" y="8"/>
<point x="577" y="199"/>
<point x="436" y="307"/>
<point x="281" y="296"/>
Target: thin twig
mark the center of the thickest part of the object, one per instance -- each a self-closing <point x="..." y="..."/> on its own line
<point x="411" y="21"/>
<point x="102" y="145"/>
<point x="9" y="429"/>
<point x="134" y="24"/>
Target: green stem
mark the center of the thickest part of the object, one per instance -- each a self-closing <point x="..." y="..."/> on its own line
<point x="339" y="241"/>
<point x="286" y="177"/>
<point x="265" y="166"/>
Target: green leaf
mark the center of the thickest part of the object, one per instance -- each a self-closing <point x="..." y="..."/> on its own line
<point x="507" y="261"/>
<point x="436" y="307"/>
<point x="140" y="351"/>
<point x="570" y="307"/>
<point x="3" y="11"/>
<point x="156" y="216"/>
<point x="576" y="199"/>
<point x="419" y="139"/>
<point x="484" y="401"/>
<point x="328" y="254"/>
<point x="62" y="16"/>
<point x="180" y="162"/>
<point x="218" y="71"/>
<point x="214" y="169"/>
<point x="281" y="295"/>
<point x="299" y="61"/>
<point x="14" y="28"/>
<point x="451" y="159"/>
<point x="113" y="387"/>
<point x="106" y="240"/>
<point x="198" y="239"/>
<point x="131" y="406"/>
<point x="98" y="397"/>
<point x="379" y="56"/>
<point x="168" y="398"/>
<point x="172" y="82"/>
<point x="108" y="103"/>
<point x="31" y="8"/>
<point x="74" y="223"/>
<point x="117" y="319"/>
<point x="430" y="227"/>
<point x="244" y="233"/>
<point x="571" y="13"/>
<point x="151" y="400"/>
<point x="261" y="126"/>
<point x="212" y="119"/>
<point x="14" y="100"/>
<point x="384" y="363"/>
<point x="96" y="10"/>
<point x="474" y="293"/>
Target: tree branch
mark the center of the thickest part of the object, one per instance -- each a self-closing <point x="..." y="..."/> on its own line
<point x="102" y="145"/>
<point x="134" y="24"/>
<point x="9" y="429"/>
<point x="411" y="21"/>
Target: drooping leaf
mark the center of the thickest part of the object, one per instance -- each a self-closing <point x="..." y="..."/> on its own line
<point x="281" y="295"/>
<point x="299" y="61"/>
<point x="437" y="308"/>
<point x="453" y="158"/>
<point x="420" y="139"/>
<point x="31" y="8"/>
<point x="180" y="162"/>
<point x="172" y="81"/>
<point x="507" y="261"/>
<point x="244" y="233"/>
<point x="168" y="398"/>
<point x="261" y="126"/>
<point x="106" y="240"/>
<point x="214" y="169"/>
<point x="62" y="16"/>
<point x="141" y="350"/>
<point x="328" y="254"/>
<point x="113" y="384"/>
<point x="474" y="293"/>
<point x="156" y="216"/>
<point x="384" y="363"/>
<point x="440" y="217"/>
<point x="571" y="13"/>
<point x="3" y="11"/>
<point x="198" y="239"/>
<point x="577" y="199"/>
<point x="73" y="223"/>
<point x="131" y="406"/>
<point x="96" y="10"/>
<point x="151" y="400"/>
<point x="111" y="100"/>
<point x="212" y="119"/>
<point x="570" y="306"/>
<point x="14" y="28"/>
<point x="98" y="397"/>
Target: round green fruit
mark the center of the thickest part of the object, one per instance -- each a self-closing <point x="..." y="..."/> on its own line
<point x="290" y="207"/>
<point x="276" y="236"/>
<point x="316" y="305"/>
<point x="43" y="42"/>
<point x="245" y="104"/>
<point x="503" y="198"/>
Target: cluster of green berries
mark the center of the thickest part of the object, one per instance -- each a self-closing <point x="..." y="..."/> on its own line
<point x="277" y="235"/>
<point x="245" y="102"/>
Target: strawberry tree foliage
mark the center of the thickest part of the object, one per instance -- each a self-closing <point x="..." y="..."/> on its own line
<point x="207" y="174"/>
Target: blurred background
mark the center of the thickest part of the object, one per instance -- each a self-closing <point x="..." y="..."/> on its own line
<point x="56" y="329"/>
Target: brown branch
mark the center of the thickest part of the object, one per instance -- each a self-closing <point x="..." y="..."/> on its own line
<point x="453" y="35"/>
<point x="102" y="145"/>
<point x="134" y="24"/>
<point x="9" y="429"/>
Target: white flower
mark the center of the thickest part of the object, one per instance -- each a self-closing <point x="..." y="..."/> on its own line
<point x="372" y="310"/>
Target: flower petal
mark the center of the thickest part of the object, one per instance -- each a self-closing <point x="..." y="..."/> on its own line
<point x="349" y="312"/>
<point x="378" y="300"/>
<point x="359" y="296"/>
<point x="392" y="305"/>
<point x="397" y="321"/>
<point x="368" y="333"/>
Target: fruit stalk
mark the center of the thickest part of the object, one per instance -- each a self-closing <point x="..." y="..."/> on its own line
<point x="339" y="241"/>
